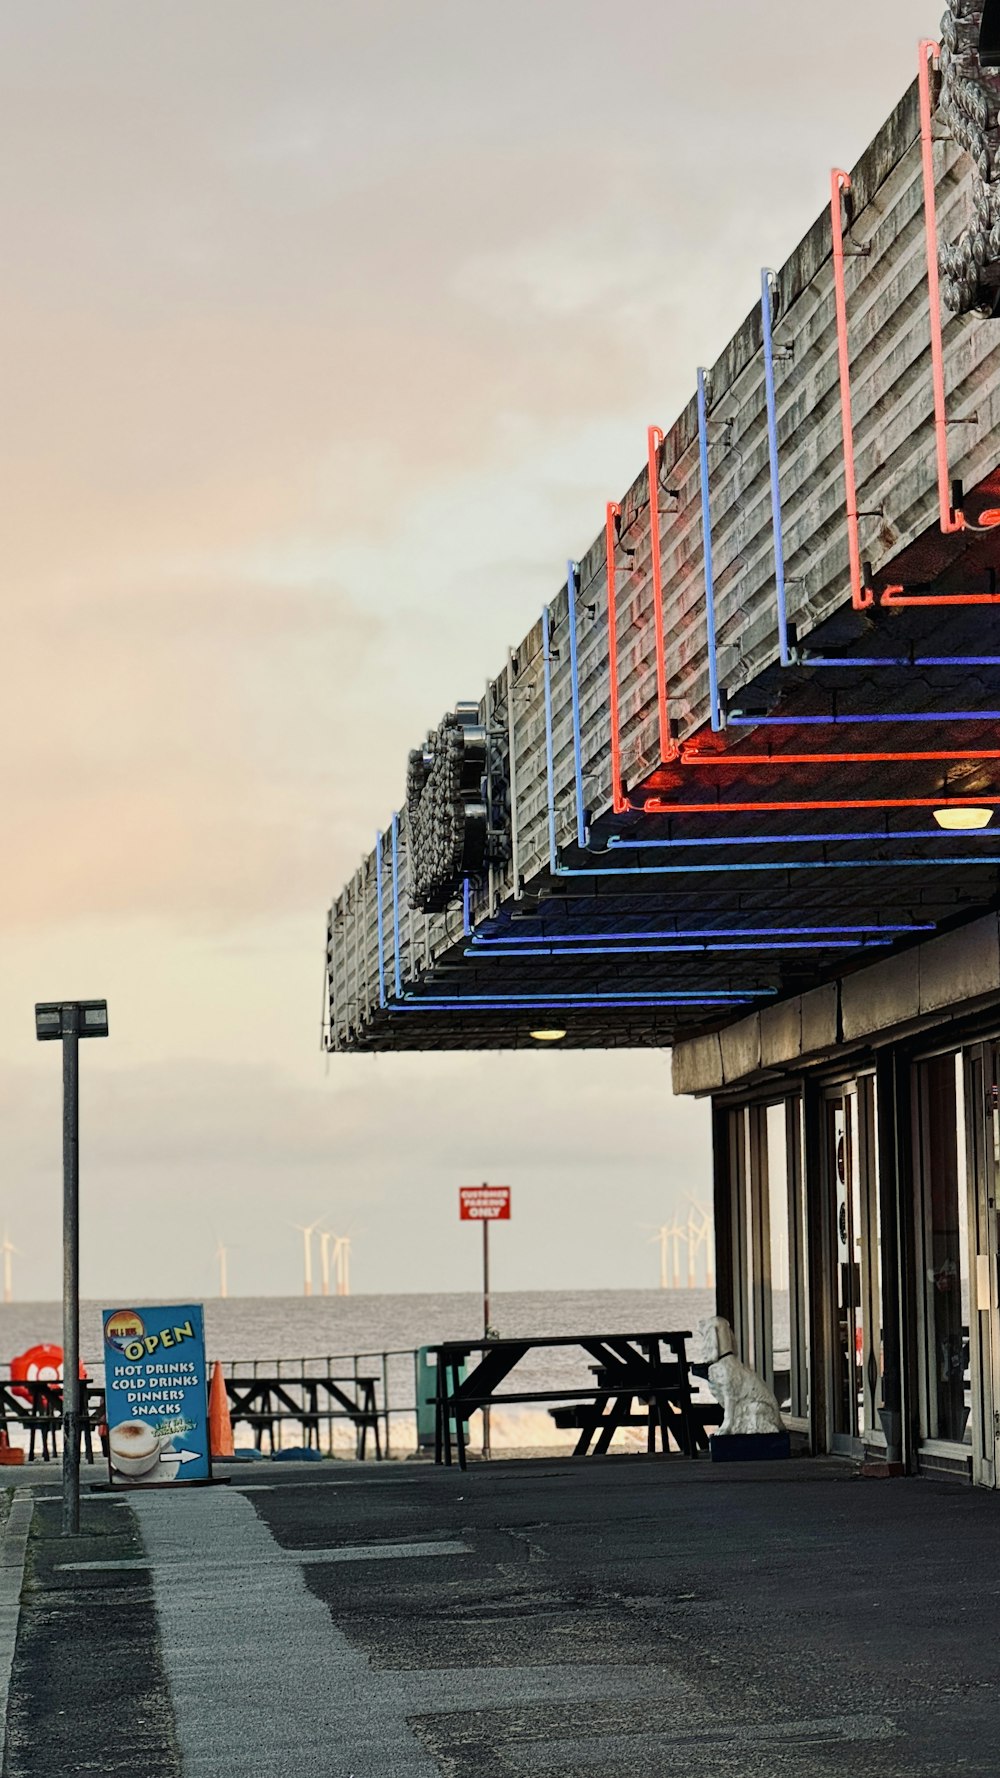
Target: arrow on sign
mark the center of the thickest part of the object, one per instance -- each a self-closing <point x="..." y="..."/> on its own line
<point x="179" y="1456"/>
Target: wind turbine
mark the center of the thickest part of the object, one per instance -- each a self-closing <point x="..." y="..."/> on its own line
<point x="7" y="1248"/>
<point x="307" y="1231"/>
<point x="700" y="1234"/>
<point x="663" y="1234"/>
<point x="342" y="1258"/>
<point x="325" y="1237"/>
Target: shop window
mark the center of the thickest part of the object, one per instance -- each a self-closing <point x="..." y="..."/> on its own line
<point x="944" y="1250"/>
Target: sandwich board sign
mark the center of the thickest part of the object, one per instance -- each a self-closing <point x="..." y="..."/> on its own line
<point x="157" y="1395"/>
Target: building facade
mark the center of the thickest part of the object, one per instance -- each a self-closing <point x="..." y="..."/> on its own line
<point x="736" y="793"/>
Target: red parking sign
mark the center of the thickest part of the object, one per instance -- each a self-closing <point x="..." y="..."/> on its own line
<point x="484" y="1203"/>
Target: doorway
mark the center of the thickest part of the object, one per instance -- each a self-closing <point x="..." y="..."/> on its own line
<point x="856" y="1245"/>
<point x="981" y="1317"/>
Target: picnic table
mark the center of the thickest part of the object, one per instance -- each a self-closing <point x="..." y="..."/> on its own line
<point x="648" y="1369"/>
<point x="263" y="1402"/>
<point x="36" y="1406"/>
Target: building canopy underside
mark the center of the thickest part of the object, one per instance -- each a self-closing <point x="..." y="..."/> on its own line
<point x="668" y="811"/>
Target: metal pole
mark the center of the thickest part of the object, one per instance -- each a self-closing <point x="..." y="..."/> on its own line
<point x="486" y="1321"/>
<point x="71" y="1271"/>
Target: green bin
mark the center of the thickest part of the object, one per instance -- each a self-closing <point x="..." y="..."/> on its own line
<point x="427" y="1388"/>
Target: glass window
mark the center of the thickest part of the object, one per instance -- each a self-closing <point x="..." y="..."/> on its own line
<point x="945" y="1270"/>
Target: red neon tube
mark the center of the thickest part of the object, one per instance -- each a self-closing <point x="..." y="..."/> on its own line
<point x="619" y="801"/>
<point x="693" y="757"/>
<point x="669" y="749"/>
<point x="862" y="596"/>
<point x="656" y="805"/>
<point x="951" y="520"/>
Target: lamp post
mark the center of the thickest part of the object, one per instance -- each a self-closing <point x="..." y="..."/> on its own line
<point x="69" y="1020"/>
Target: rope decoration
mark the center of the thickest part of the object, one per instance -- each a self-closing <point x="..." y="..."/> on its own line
<point x="970" y="105"/>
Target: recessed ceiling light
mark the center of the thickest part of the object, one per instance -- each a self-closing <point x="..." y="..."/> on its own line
<point x="548" y="1036"/>
<point x="963" y="820"/>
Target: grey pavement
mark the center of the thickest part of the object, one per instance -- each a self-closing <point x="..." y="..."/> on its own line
<point x="624" y="1617"/>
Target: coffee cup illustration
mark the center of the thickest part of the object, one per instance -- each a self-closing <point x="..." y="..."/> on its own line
<point x="135" y="1447"/>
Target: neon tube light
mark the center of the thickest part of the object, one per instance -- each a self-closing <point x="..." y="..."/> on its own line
<point x="849" y="721"/>
<point x="396" y="947"/>
<point x="696" y="997"/>
<point x="606" y="1005"/>
<point x="698" y="757"/>
<point x="768" y="280"/>
<point x="745" y="867"/>
<point x="619" y="801"/>
<point x="380" y="919"/>
<point x="706" y="534"/>
<point x="840" y="944"/>
<point x="620" y="843"/>
<point x="581" y="819"/>
<point x="807" y="659"/>
<point x="951" y="520"/>
<point x="466" y="908"/>
<point x="657" y="806"/>
<point x="557" y="938"/>
<point x="549" y="744"/>
<point x="654" y="444"/>
<point x="862" y="596"/>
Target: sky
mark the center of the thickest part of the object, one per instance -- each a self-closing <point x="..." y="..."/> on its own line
<point x="327" y="331"/>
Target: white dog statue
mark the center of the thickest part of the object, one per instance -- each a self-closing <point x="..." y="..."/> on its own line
<point x="747" y="1403"/>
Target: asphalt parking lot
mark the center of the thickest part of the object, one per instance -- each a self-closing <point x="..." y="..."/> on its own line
<point x="619" y="1617"/>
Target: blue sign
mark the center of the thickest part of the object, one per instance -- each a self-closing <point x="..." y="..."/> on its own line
<point x="157" y="1395"/>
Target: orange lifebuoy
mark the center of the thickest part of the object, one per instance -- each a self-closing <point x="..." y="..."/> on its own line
<point x="39" y="1364"/>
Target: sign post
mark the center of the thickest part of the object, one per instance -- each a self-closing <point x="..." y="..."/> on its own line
<point x="485" y="1204"/>
<point x="157" y="1396"/>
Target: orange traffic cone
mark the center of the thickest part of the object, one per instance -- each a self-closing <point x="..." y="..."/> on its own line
<point x="220" y="1426"/>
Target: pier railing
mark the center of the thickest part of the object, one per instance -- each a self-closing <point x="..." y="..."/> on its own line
<point x="383" y="1383"/>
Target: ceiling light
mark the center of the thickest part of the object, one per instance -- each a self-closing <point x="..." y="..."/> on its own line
<point x="548" y="1036"/>
<point x="957" y="820"/>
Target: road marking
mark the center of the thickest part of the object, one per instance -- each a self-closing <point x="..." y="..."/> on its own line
<point x="280" y="1557"/>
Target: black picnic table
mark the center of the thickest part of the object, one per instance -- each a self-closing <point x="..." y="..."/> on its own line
<point x="36" y="1405"/>
<point x="648" y="1368"/>
<point x="260" y="1402"/>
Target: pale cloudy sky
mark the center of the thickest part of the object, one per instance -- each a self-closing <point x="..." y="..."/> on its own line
<point x="328" y="326"/>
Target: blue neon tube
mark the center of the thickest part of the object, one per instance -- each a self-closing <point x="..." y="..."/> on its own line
<point x="637" y="950"/>
<point x="899" y="660"/>
<point x="549" y="745"/>
<point x="767" y="278"/>
<point x="581" y="819"/>
<point x="561" y="1005"/>
<point x="706" y="533"/>
<point x="673" y="870"/>
<point x="396" y="960"/>
<point x="380" y="918"/>
<point x="466" y="908"/>
<point x="849" y="721"/>
<point x="559" y="938"/>
<point x="794" y="839"/>
<point x="696" y="997"/>
<point x="620" y="843"/>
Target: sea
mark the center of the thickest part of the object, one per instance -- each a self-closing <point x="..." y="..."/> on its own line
<point x="284" y="1335"/>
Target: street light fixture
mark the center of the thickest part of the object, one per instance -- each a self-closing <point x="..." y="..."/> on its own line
<point x="69" y="1020"/>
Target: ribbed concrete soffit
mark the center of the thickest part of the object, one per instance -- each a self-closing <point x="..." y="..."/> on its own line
<point x="702" y="789"/>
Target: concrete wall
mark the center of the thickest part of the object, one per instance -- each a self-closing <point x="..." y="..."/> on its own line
<point x="890" y="999"/>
